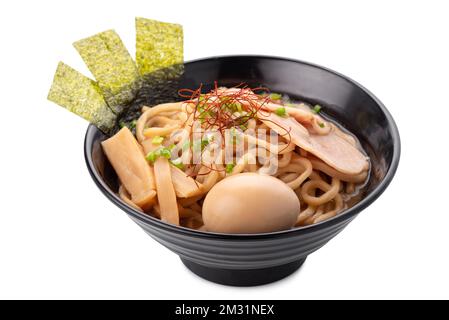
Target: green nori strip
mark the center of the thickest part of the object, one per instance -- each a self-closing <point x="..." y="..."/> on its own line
<point x="159" y="45"/>
<point x="112" y="66"/>
<point x="82" y="96"/>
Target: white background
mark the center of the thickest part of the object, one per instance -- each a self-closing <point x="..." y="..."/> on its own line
<point x="61" y="238"/>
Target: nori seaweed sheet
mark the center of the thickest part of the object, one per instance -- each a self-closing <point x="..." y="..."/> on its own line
<point x="112" y="66"/>
<point x="82" y="96"/>
<point x="159" y="45"/>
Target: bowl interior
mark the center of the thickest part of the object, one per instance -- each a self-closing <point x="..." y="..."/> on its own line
<point x="342" y="99"/>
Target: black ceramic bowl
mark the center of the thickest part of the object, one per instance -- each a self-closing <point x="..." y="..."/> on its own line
<point x="246" y="260"/>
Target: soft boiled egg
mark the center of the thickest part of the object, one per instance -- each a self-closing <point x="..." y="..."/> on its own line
<point x="250" y="203"/>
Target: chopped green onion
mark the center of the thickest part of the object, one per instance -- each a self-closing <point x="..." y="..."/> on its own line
<point x="281" y="112"/>
<point x="133" y="124"/>
<point x="235" y="106"/>
<point x="164" y="152"/>
<point x="171" y="147"/>
<point x="157" y="140"/>
<point x="230" y="104"/>
<point x="317" y="108"/>
<point x="204" y="114"/>
<point x="239" y="106"/>
<point x="321" y="125"/>
<point x="230" y="167"/>
<point x="122" y="124"/>
<point x="204" y="144"/>
<point x="151" y="156"/>
<point x="275" y="96"/>
<point x="160" y="152"/>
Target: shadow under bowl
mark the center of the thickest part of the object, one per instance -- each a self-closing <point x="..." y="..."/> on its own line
<point x="246" y="260"/>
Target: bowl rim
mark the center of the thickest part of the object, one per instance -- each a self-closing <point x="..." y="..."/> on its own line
<point x="345" y="215"/>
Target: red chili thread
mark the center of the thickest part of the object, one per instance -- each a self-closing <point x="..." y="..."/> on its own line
<point x="214" y="109"/>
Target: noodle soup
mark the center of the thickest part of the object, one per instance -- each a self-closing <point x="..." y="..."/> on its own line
<point x="234" y="161"/>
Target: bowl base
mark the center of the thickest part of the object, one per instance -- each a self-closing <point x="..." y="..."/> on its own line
<point x="243" y="278"/>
